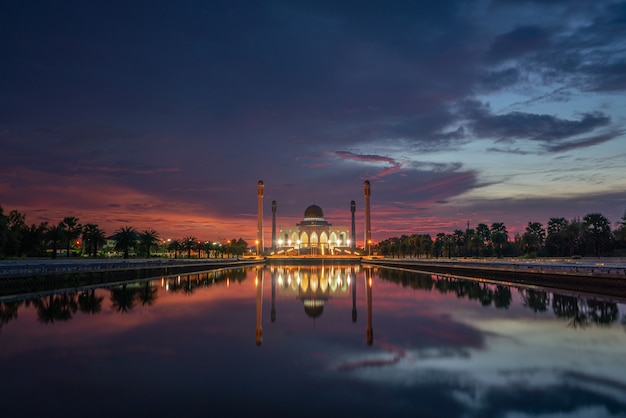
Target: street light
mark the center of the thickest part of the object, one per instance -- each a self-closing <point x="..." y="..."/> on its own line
<point x="369" y="247"/>
<point x="298" y="242"/>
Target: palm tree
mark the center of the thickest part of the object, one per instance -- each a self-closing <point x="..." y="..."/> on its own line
<point x="174" y="246"/>
<point x="72" y="230"/>
<point x="499" y="236"/>
<point x="126" y="239"/>
<point x="188" y="243"/>
<point x="93" y="238"/>
<point x="54" y="236"/>
<point x="147" y="240"/>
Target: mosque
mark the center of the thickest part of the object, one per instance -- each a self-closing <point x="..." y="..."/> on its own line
<point x="313" y="235"/>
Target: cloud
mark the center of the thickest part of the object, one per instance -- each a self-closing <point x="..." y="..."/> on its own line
<point x="554" y="133"/>
<point x="395" y="166"/>
<point x="520" y="41"/>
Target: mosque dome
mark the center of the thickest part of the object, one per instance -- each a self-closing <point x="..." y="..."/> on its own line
<point x="314" y="211"/>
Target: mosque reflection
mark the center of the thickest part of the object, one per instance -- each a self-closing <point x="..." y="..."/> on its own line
<point x="315" y="286"/>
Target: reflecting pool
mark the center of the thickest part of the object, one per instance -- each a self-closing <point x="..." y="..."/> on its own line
<point x="311" y="341"/>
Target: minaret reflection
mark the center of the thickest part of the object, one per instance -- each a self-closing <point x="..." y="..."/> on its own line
<point x="273" y="311"/>
<point x="259" y="306"/>
<point x="353" y="275"/>
<point x="368" y="294"/>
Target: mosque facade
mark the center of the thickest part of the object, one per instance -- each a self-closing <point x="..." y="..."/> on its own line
<point x="313" y="235"/>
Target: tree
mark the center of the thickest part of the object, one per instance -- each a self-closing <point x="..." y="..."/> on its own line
<point x="458" y="237"/>
<point x="147" y="240"/>
<point x="175" y="246"/>
<point x="499" y="237"/>
<point x="4" y="232"/>
<point x="34" y="240"/>
<point x="556" y="239"/>
<point x="188" y="243"/>
<point x="533" y="238"/>
<point x="598" y="230"/>
<point x="126" y="239"/>
<point x="54" y="236"/>
<point x="16" y="223"/>
<point x="72" y="230"/>
<point x="93" y="239"/>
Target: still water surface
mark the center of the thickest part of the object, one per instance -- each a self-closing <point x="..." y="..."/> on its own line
<point x="304" y="341"/>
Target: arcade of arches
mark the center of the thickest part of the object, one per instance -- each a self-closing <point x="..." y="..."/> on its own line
<point x="314" y="235"/>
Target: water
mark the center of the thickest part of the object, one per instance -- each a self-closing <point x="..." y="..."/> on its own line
<point x="305" y="341"/>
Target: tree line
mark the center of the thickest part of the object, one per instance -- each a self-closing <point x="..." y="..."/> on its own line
<point x="579" y="311"/>
<point x="70" y="237"/>
<point x="591" y="236"/>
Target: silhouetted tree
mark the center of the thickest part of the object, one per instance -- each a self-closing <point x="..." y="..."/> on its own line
<point x="499" y="237"/>
<point x="126" y="239"/>
<point x="556" y="240"/>
<point x="71" y="229"/>
<point x="93" y="239"/>
<point x="175" y="246"/>
<point x="147" y="240"/>
<point x="188" y="244"/>
<point x="598" y="229"/>
<point x="533" y="238"/>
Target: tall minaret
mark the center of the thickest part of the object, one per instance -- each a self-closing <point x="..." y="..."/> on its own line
<point x="260" y="247"/>
<point x="367" y="245"/>
<point x="274" y="225"/>
<point x="369" y="332"/>
<point x="353" y="235"/>
<point x="259" y="307"/>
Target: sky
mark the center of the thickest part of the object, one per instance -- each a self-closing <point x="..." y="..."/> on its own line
<point x="164" y="115"/>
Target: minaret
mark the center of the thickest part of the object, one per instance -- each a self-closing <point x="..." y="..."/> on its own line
<point x="274" y="225"/>
<point x="353" y="235"/>
<point x="369" y="332"/>
<point x="367" y="245"/>
<point x="260" y="247"/>
<point x="259" y="307"/>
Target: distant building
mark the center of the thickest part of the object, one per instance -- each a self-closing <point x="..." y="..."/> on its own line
<point x="314" y="235"/>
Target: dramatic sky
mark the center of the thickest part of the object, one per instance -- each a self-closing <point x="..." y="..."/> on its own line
<point x="165" y="114"/>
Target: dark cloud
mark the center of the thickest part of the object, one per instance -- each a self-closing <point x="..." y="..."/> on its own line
<point x="584" y="142"/>
<point x="520" y="41"/>
<point x="556" y="134"/>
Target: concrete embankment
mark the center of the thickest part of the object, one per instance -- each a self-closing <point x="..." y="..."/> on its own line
<point x="39" y="274"/>
<point x="602" y="277"/>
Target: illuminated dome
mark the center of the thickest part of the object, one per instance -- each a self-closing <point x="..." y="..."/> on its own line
<point x="313" y="212"/>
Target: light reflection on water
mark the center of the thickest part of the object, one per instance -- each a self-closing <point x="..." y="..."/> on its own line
<point x="309" y="340"/>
